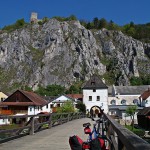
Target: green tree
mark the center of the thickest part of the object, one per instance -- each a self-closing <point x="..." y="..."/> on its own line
<point x="113" y="26"/>
<point x="95" y="22"/>
<point x="19" y="23"/>
<point x="102" y="23"/>
<point x="130" y="111"/>
<point x="83" y="23"/>
<point x="81" y="107"/>
<point x="51" y="90"/>
<point x="90" y="25"/>
<point x="75" y="88"/>
<point x="136" y="81"/>
<point x="72" y="17"/>
<point x="44" y="20"/>
<point x="66" y="107"/>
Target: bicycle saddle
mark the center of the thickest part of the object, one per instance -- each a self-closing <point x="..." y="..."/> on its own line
<point x="86" y="124"/>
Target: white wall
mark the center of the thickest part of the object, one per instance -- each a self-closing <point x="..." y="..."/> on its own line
<point x="103" y="93"/>
<point x="129" y="99"/>
<point x="146" y="103"/>
<point x="33" y="110"/>
<point x="4" y="121"/>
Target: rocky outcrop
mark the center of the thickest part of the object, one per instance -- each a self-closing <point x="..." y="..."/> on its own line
<point x="64" y="52"/>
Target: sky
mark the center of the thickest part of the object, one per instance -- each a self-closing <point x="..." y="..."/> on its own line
<point x="119" y="11"/>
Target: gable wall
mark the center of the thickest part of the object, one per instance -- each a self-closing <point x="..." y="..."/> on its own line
<point x="103" y="93"/>
<point x="17" y="96"/>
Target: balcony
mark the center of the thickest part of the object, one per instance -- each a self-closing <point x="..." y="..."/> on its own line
<point x="6" y="112"/>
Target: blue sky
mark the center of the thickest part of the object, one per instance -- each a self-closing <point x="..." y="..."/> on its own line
<point x="120" y="11"/>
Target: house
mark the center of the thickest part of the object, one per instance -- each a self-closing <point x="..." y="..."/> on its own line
<point x="144" y="118"/>
<point x="119" y="111"/>
<point x="77" y="97"/>
<point x="2" y="96"/>
<point x="145" y="98"/>
<point x="95" y="95"/>
<point x="22" y="103"/>
<point x="125" y="95"/>
<point x="120" y="97"/>
<point x="58" y="101"/>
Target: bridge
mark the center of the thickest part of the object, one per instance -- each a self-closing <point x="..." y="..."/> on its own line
<point x="55" y="138"/>
<point x="56" y="129"/>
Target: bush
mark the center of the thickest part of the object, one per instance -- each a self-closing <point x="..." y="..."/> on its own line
<point x="81" y="107"/>
<point x="66" y="107"/>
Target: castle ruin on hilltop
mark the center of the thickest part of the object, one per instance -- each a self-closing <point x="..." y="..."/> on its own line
<point x="34" y="17"/>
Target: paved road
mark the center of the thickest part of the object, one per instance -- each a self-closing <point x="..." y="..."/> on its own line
<point x="55" y="138"/>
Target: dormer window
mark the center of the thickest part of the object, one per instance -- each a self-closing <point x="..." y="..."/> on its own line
<point x="135" y="101"/>
<point x="94" y="90"/>
<point x="113" y="102"/>
<point x="92" y="83"/>
<point x="123" y="102"/>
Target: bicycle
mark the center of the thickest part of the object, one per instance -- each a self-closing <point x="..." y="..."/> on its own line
<point x="97" y="140"/>
<point x="96" y="133"/>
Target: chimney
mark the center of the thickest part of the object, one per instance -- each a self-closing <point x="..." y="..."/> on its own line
<point x="103" y="80"/>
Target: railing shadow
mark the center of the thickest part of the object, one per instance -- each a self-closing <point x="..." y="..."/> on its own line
<point x="36" y="123"/>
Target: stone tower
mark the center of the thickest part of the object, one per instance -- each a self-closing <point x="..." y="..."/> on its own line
<point x="33" y="18"/>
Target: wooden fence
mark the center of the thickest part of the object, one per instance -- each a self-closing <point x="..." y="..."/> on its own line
<point x="36" y="123"/>
<point x="122" y="138"/>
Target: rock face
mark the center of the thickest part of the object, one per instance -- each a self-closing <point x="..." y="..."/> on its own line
<point x="64" y="52"/>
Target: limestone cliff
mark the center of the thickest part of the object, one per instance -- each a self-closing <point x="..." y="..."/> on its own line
<point x="64" y="52"/>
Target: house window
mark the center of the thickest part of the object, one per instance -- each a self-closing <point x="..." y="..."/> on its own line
<point x="113" y="102"/>
<point x="30" y="109"/>
<point x="38" y="108"/>
<point x="94" y="90"/>
<point x="98" y="98"/>
<point x="52" y="105"/>
<point x="47" y="106"/>
<point x="41" y="108"/>
<point x="2" y="99"/>
<point x="90" y="98"/>
<point x="123" y="102"/>
<point x="113" y="112"/>
<point x="135" y="101"/>
<point x="58" y="105"/>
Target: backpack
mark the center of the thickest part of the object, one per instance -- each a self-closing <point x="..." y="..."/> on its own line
<point x="97" y="144"/>
<point x="75" y="143"/>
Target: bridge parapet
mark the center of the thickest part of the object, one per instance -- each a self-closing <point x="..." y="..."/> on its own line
<point x="122" y="138"/>
<point x="36" y="123"/>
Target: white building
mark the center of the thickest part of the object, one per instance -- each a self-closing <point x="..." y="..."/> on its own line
<point x="145" y="98"/>
<point x="57" y="102"/>
<point x="120" y="97"/>
<point x="95" y="94"/>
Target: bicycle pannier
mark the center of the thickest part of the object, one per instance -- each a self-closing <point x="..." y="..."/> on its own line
<point x="97" y="144"/>
<point x="75" y="143"/>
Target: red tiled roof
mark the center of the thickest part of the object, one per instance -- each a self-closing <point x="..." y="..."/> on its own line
<point x="145" y="95"/>
<point x="75" y="95"/>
